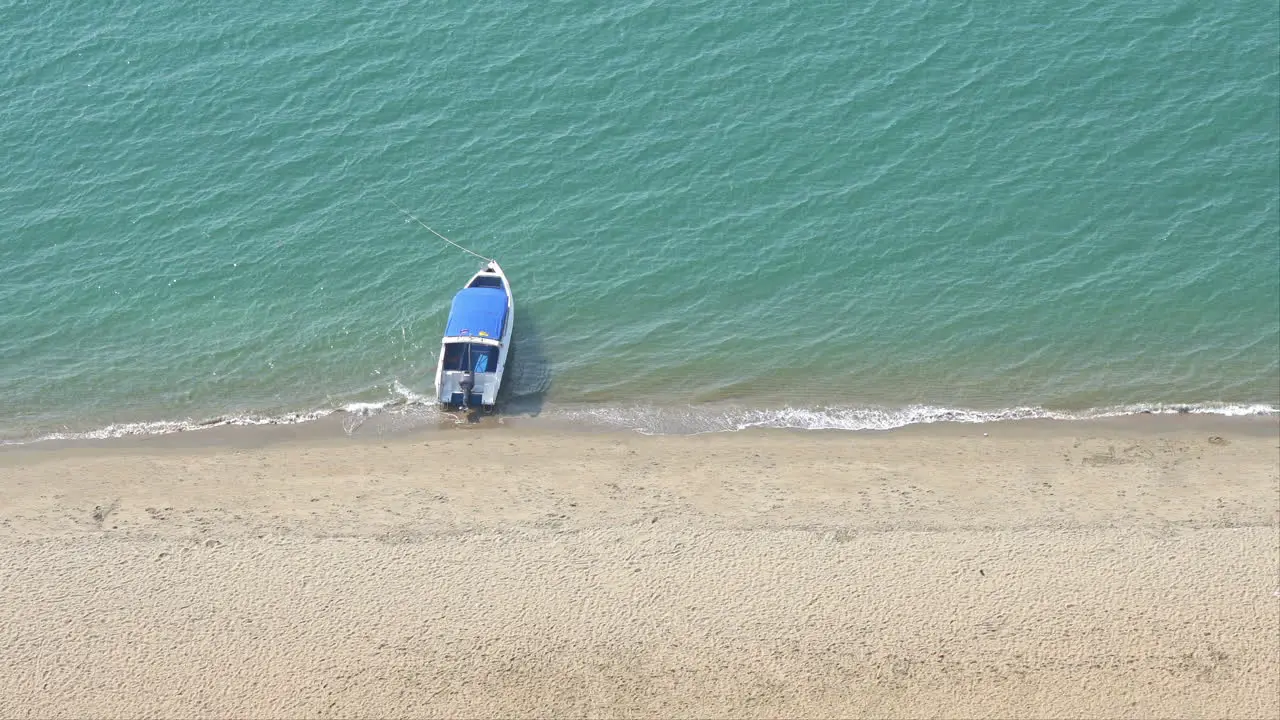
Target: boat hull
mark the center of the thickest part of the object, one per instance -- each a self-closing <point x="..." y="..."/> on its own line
<point x="476" y="341"/>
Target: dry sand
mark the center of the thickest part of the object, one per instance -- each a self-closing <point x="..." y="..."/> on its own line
<point x="1060" y="570"/>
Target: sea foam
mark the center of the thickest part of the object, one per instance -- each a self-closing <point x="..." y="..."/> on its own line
<point x="662" y="420"/>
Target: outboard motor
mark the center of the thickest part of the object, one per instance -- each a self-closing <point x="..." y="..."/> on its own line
<point x="467" y="382"/>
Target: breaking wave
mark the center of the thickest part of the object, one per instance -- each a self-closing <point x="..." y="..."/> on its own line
<point x="695" y="419"/>
<point x="402" y="400"/>
<point x="417" y="409"/>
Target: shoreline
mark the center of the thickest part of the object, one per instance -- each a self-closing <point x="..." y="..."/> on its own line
<point x="360" y="424"/>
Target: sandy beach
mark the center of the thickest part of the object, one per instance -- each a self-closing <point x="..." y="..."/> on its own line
<point x="1060" y="569"/>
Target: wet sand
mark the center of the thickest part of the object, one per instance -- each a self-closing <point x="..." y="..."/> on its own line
<point x="1087" y="569"/>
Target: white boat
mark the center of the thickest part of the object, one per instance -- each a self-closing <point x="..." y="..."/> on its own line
<point x="477" y="337"/>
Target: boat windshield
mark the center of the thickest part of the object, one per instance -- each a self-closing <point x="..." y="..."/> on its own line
<point x="486" y="281"/>
<point x="470" y="356"/>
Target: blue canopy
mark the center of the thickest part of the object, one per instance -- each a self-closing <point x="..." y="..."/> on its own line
<point x="478" y="312"/>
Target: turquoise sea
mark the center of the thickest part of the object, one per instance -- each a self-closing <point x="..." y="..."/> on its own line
<point x="715" y="214"/>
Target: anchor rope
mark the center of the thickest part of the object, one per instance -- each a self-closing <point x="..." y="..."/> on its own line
<point x="428" y="228"/>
